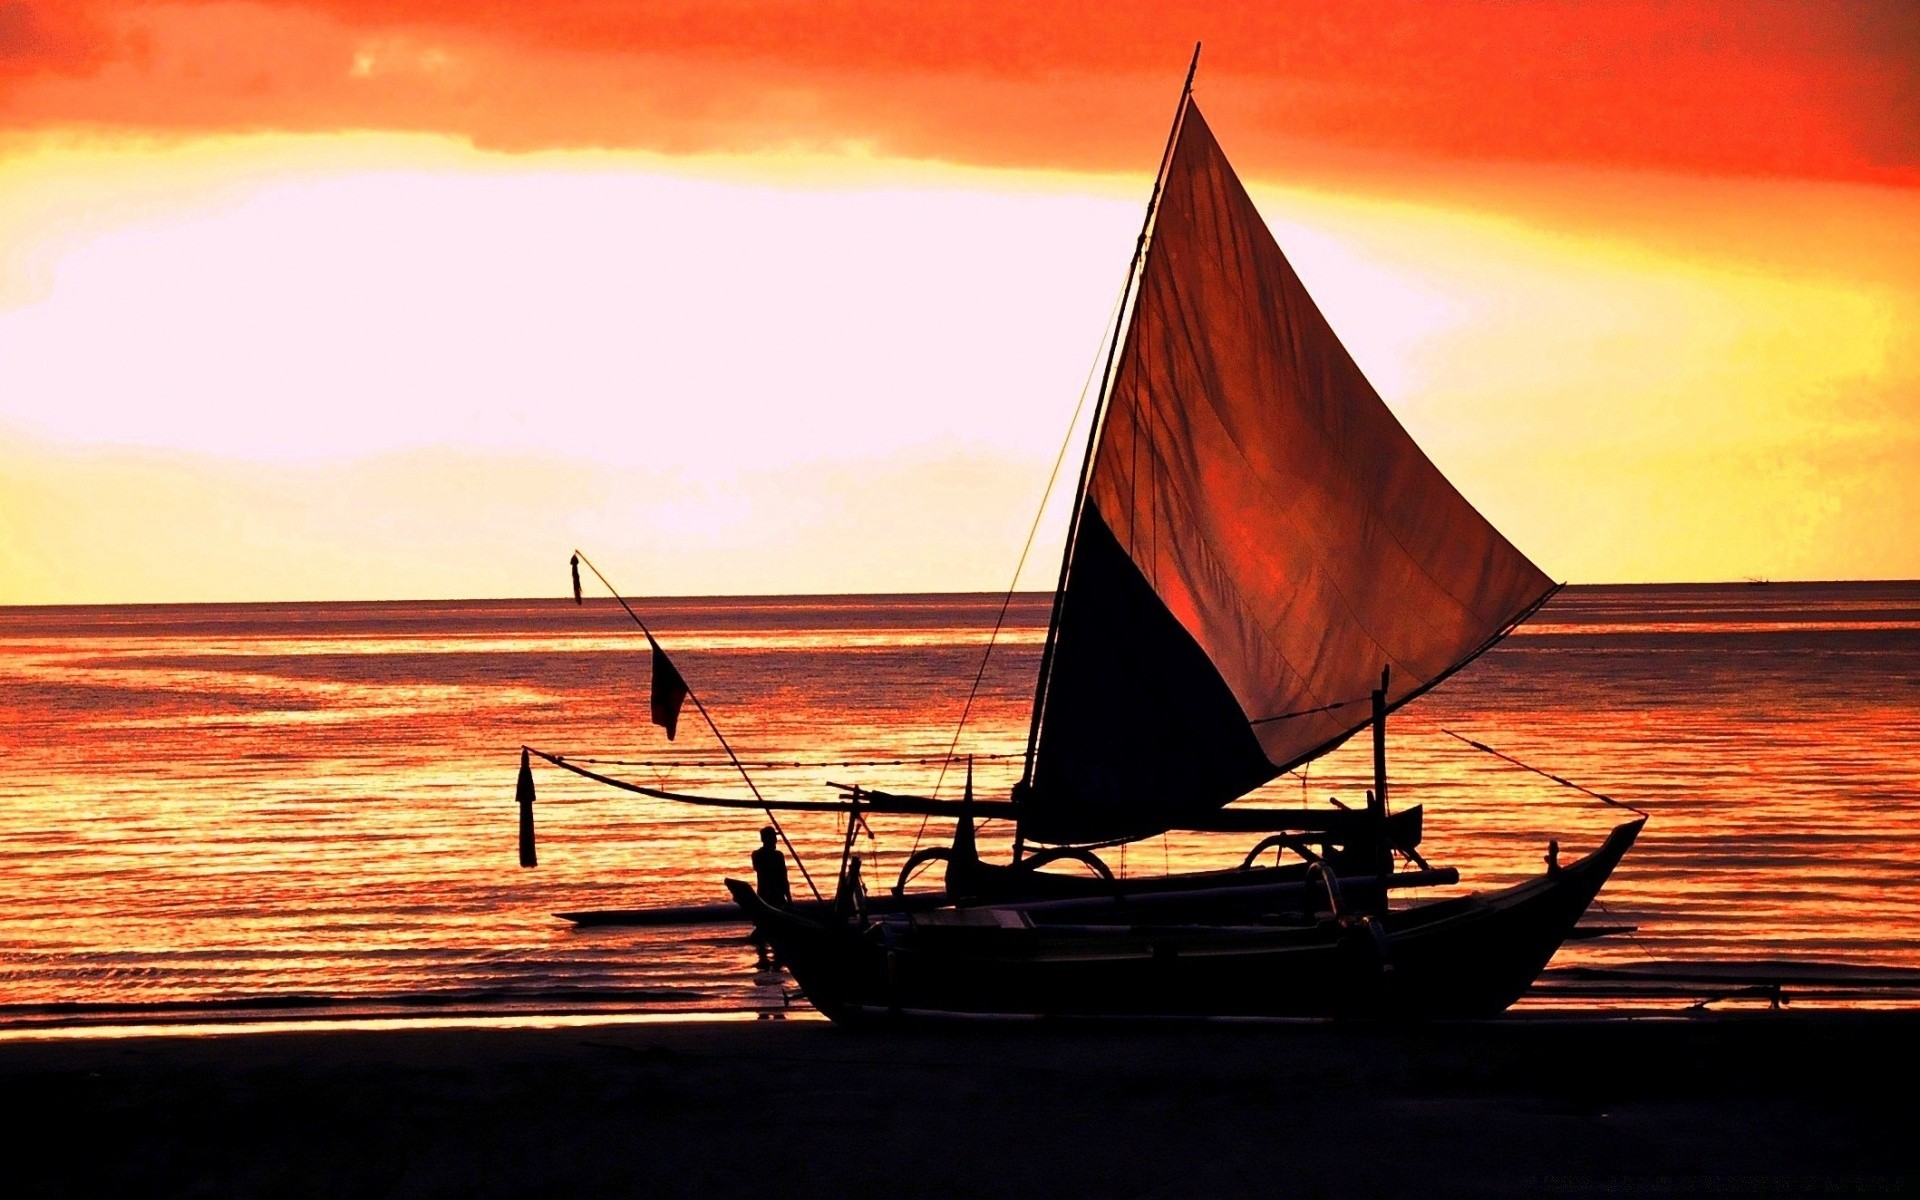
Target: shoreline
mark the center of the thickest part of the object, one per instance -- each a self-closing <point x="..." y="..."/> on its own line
<point x="249" y="1025"/>
<point x="1776" y="1103"/>
<point x="222" y="1020"/>
<point x="1669" y="989"/>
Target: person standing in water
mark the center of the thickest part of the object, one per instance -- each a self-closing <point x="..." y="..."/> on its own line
<point x="851" y="904"/>
<point x="770" y="871"/>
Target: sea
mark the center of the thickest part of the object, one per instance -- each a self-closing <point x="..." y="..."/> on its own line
<point x="218" y="811"/>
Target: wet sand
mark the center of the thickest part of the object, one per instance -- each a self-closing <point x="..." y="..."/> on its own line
<point x="1742" y="1104"/>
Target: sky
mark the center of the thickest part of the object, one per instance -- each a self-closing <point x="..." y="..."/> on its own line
<point x="337" y="299"/>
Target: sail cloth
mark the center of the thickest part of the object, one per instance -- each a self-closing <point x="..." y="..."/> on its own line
<point x="1258" y="538"/>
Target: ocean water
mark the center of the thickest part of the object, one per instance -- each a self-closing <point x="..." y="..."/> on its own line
<point x="311" y="806"/>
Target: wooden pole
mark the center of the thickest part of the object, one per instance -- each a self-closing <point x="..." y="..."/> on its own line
<point x="718" y="736"/>
<point x="1379" y="844"/>
<point x="846" y="848"/>
<point x="1093" y="440"/>
<point x="1380" y="743"/>
<point x="523" y="792"/>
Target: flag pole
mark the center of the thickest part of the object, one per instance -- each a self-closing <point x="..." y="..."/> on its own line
<point x="708" y="718"/>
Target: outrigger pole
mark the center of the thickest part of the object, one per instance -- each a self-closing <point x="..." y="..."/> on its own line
<point x="718" y="736"/>
<point x="1335" y="823"/>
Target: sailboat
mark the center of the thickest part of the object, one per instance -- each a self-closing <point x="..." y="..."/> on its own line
<point x="1260" y="564"/>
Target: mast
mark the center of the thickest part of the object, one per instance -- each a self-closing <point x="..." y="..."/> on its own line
<point x="1254" y="536"/>
<point x="1380" y="741"/>
<point x="1378" y="842"/>
<point x="1140" y="251"/>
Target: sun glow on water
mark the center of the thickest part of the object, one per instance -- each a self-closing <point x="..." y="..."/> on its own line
<point x="187" y="822"/>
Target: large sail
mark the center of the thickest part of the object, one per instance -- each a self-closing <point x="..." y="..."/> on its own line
<point x="1259" y="537"/>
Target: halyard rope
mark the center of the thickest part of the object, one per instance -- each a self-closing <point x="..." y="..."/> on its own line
<point x="1486" y="749"/>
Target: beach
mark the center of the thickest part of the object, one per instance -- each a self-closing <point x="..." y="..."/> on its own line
<point x="1746" y="1103"/>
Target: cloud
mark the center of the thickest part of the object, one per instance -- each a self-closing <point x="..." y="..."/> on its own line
<point x="40" y="38"/>
<point x="1804" y="88"/>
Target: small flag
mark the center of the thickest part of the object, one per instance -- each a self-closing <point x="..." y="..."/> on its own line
<point x="669" y="691"/>
<point x="524" y="794"/>
<point x="574" y="562"/>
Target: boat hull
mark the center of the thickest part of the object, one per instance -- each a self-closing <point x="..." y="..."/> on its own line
<point x="1464" y="957"/>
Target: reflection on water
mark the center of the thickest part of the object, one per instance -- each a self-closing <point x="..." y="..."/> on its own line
<point x="204" y="803"/>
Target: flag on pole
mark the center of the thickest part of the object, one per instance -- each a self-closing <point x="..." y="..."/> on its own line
<point x="669" y="691"/>
<point x="574" y="562"/>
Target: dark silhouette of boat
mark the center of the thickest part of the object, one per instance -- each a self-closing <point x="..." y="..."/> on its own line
<point x="1261" y="563"/>
<point x="1469" y="956"/>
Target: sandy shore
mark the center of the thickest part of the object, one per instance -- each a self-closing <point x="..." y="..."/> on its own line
<point x="1750" y="1104"/>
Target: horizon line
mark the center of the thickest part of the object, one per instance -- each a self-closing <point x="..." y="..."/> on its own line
<point x="751" y="596"/>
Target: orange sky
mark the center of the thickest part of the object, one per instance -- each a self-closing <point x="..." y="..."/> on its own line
<point x="1811" y="90"/>
<point x="1640" y="277"/>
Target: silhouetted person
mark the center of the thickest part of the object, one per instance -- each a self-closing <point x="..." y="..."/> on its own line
<point x="1553" y="856"/>
<point x="770" y="871"/>
<point x="851" y="903"/>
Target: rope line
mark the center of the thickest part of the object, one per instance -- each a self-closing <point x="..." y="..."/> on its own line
<point x="718" y="736"/>
<point x="1033" y="530"/>
<point x="1307" y="712"/>
<point x="1486" y="749"/>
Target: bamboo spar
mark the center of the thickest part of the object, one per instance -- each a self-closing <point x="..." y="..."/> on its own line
<point x="718" y="736"/>
<point x="1404" y="828"/>
<point x="1093" y="443"/>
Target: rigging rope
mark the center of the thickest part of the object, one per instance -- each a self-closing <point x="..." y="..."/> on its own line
<point x="708" y="718"/>
<point x="1608" y="913"/>
<point x="1307" y="712"/>
<point x="1033" y="530"/>
<point x="1486" y="749"/>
